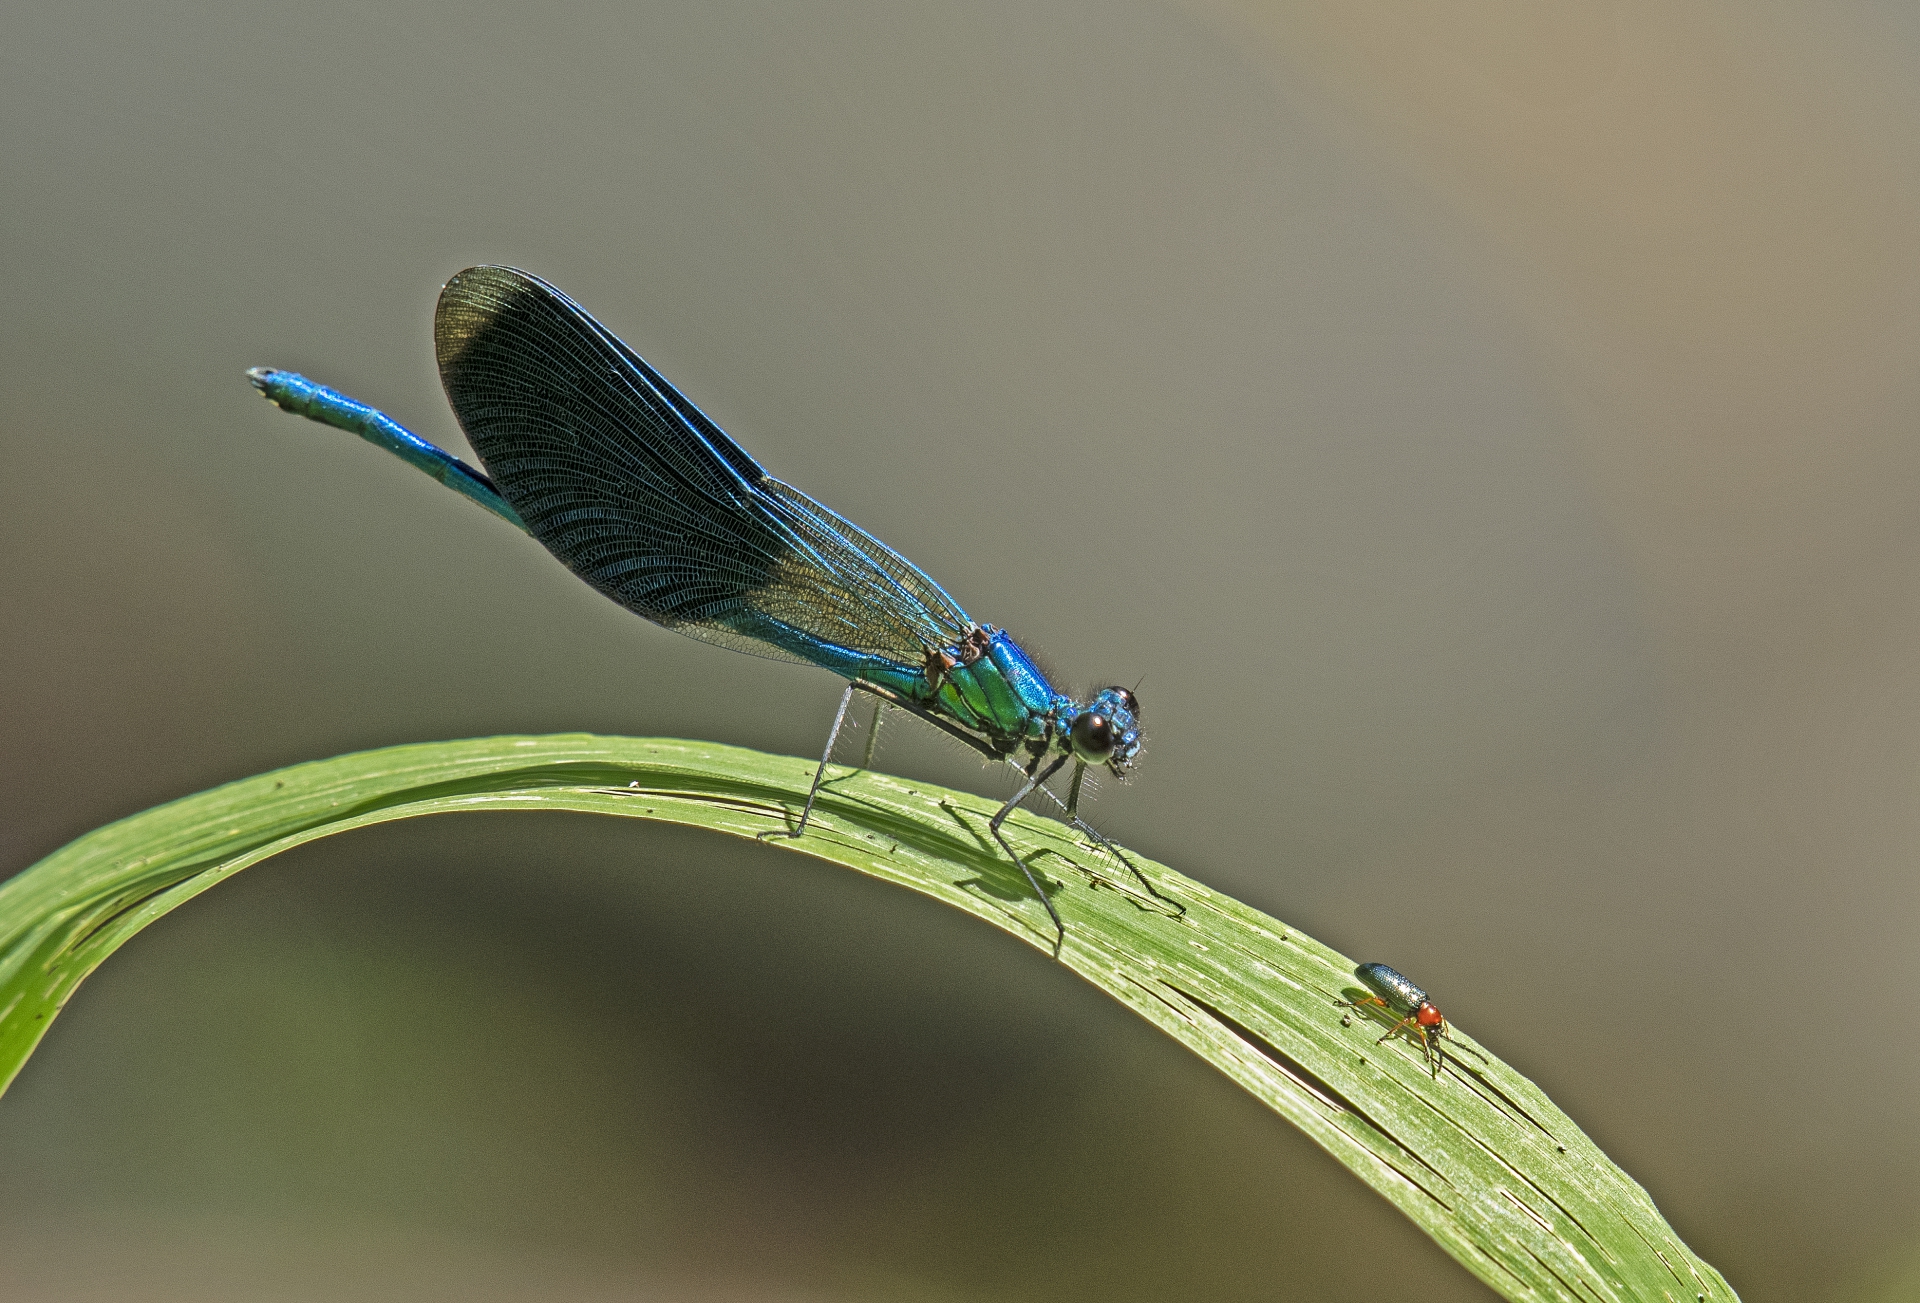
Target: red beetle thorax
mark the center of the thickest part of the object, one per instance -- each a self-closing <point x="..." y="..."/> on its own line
<point x="1428" y="1016"/>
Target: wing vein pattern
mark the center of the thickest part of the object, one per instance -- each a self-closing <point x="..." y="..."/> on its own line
<point x="640" y="494"/>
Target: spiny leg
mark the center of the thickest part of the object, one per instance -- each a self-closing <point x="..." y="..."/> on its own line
<point x="873" y="732"/>
<point x="819" y="775"/>
<point x="1074" y="820"/>
<point x="1030" y="784"/>
<point x="993" y="826"/>
<point x="1087" y="828"/>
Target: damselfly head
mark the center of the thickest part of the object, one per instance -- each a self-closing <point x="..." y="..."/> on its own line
<point x="1107" y="732"/>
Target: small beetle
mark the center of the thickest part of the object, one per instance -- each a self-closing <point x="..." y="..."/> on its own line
<point x="1401" y="998"/>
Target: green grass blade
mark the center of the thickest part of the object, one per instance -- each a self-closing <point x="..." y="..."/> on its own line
<point x="1479" y="1158"/>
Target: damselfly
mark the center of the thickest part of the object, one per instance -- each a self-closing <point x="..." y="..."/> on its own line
<point x="635" y="490"/>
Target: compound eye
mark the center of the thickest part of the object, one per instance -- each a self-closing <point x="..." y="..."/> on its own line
<point x="1092" y="737"/>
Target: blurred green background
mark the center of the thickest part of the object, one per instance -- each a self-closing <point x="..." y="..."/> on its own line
<point x="1487" y="429"/>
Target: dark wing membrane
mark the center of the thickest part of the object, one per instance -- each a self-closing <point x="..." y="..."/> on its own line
<point x="642" y="496"/>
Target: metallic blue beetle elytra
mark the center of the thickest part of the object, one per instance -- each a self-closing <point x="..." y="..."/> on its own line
<point x="638" y="492"/>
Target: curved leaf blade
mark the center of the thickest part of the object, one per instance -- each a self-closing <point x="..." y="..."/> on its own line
<point x="1478" y="1157"/>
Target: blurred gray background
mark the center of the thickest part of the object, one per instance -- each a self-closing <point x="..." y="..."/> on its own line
<point x="1487" y="430"/>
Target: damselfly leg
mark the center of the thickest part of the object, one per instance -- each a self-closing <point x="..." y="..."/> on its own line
<point x="993" y="826"/>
